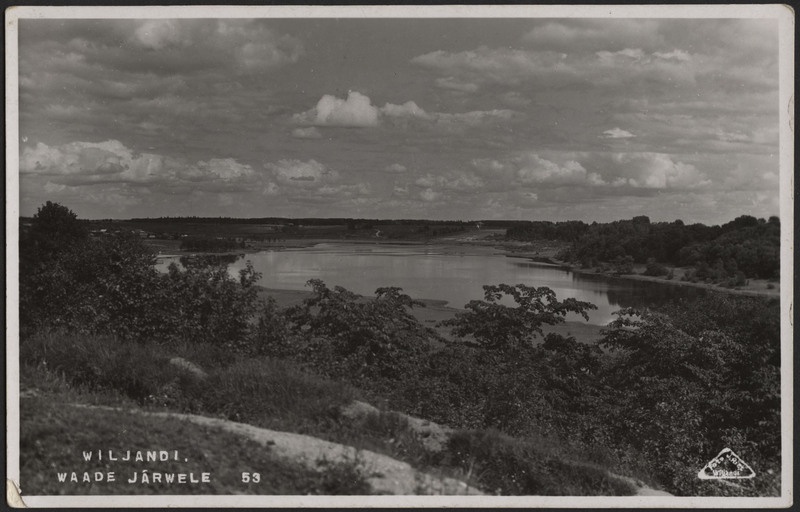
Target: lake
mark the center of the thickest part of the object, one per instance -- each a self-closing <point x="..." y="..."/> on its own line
<point x="445" y="273"/>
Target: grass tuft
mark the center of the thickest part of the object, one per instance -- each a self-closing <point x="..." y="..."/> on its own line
<point x="504" y="465"/>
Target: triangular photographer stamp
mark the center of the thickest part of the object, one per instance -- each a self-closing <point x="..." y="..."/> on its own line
<point x="724" y="466"/>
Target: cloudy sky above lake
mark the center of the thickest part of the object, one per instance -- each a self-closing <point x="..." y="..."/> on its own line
<point x="540" y="119"/>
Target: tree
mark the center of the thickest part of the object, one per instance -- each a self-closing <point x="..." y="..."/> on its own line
<point x="54" y="228"/>
<point x="494" y="325"/>
<point x="53" y="219"/>
<point x="358" y="336"/>
<point x="655" y="269"/>
<point x="694" y="376"/>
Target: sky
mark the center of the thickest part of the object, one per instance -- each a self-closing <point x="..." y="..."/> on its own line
<point x="517" y="118"/>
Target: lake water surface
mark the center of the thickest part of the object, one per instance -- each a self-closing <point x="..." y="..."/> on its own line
<point x="440" y="272"/>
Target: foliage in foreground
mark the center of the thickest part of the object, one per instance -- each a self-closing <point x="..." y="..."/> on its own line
<point x="678" y="386"/>
<point x="497" y="326"/>
<point x="344" y="334"/>
<point x="109" y="285"/>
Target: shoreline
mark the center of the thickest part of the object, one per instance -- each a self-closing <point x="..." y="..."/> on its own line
<point x="545" y="255"/>
<point x="552" y="262"/>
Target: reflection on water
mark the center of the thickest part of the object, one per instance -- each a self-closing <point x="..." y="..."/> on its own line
<point x="432" y="272"/>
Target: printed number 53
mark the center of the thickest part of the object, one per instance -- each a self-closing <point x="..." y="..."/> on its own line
<point x="251" y="477"/>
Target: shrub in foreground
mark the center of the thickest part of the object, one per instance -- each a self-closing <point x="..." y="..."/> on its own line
<point x="497" y="326"/>
<point x="348" y="335"/>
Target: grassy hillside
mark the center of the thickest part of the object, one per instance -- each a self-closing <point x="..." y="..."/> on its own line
<point x="60" y="371"/>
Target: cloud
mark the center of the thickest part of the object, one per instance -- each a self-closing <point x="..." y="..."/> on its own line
<point x="396" y="168"/>
<point x="524" y="198"/>
<point x="109" y="162"/>
<point x="456" y="181"/>
<point x="678" y="55"/>
<point x="429" y="195"/>
<point x="407" y="109"/>
<point x="248" y="44"/>
<point x="617" y="133"/>
<point x="455" y="85"/>
<point x="513" y="67"/>
<point x="655" y="106"/>
<point x="400" y="191"/>
<point x="529" y="168"/>
<point x="270" y="189"/>
<point x="100" y="161"/>
<point x="515" y="99"/>
<point x="656" y="170"/>
<point x="601" y="170"/>
<point x="625" y="55"/>
<point x="355" y="111"/>
<point x="267" y="50"/>
<point x="475" y="117"/>
<point x="533" y="169"/>
<point x="218" y="169"/>
<point x="307" y="133"/>
<point x="578" y="35"/>
<point x="297" y="173"/>
<point x="503" y="65"/>
<point x="160" y="34"/>
<point x="345" y="191"/>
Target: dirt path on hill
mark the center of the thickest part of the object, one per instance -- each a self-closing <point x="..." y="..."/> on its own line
<point x="384" y="474"/>
<point x="435" y="436"/>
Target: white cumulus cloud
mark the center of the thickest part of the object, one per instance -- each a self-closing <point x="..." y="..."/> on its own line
<point x="429" y="195"/>
<point x="657" y="170"/>
<point x="617" y="133"/>
<point x="159" y="34"/>
<point x="359" y="112"/>
<point x="355" y="111"/>
<point x="455" y="85"/>
<point x="307" y="133"/>
<point x="397" y="168"/>
<point x="451" y="181"/>
<point x="407" y="109"/>
<point x="301" y="174"/>
<point x="534" y="169"/>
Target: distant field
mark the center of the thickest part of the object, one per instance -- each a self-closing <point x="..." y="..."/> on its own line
<point x="260" y="231"/>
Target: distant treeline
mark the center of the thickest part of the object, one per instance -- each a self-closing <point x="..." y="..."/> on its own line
<point x="337" y="221"/>
<point x="747" y="244"/>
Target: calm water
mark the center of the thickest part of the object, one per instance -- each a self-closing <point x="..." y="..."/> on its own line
<point x="433" y="272"/>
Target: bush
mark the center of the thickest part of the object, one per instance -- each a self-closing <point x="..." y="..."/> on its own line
<point x="497" y="326"/>
<point x="692" y="379"/>
<point x="103" y="285"/>
<point x="271" y="335"/>
<point x="655" y="269"/>
<point x="622" y="265"/>
<point x="360" y="338"/>
<point x="738" y="280"/>
<point x="101" y="363"/>
<point x="109" y="285"/>
<point x="204" y="304"/>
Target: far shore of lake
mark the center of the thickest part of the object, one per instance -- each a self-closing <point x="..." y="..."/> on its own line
<point x="543" y="252"/>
